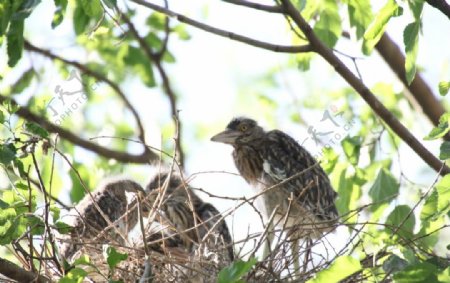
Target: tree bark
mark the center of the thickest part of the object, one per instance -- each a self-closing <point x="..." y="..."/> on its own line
<point x="419" y="89"/>
<point x="19" y="274"/>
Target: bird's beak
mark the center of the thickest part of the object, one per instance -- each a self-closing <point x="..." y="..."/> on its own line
<point x="227" y="136"/>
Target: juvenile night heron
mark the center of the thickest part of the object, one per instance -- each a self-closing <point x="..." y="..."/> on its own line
<point x="104" y="218"/>
<point x="192" y="218"/>
<point x="299" y="194"/>
<point x="190" y="224"/>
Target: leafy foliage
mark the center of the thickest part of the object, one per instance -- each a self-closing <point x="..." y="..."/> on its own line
<point x="397" y="238"/>
<point x="441" y="130"/>
<point x="113" y="257"/>
<point x="236" y="271"/>
<point x="341" y="268"/>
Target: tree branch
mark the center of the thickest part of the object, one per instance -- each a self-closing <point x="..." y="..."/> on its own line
<point x="224" y="33"/>
<point x="24" y="112"/>
<point x="156" y="59"/>
<point x="365" y="93"/>
<point x="256" y="6"/>
<point x="441" y="5"/>
<point x="97" y="76"/>
<point x="19" y="274"/>
<point x="423" y="94"/>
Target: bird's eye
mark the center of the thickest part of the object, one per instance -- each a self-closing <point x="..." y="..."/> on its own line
<point x="243" y="128"/>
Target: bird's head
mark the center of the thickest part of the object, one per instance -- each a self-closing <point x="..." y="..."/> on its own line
<point x="159" y="180"/>
<point x="240" y="131"/>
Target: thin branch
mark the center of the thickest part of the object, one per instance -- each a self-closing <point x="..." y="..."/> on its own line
<point x="167" y="32"/>
<point x="125" y="157"/>
<point x="156" y="59"/>
<point x="19" y="274"/>
<point x="256" y="6"/>
<point x="365" y="93"/>
<point x="419" y="89"/>
<point x="441" y="5"/>
<point x="97" y="76"/>
<point x="227" y="34"/>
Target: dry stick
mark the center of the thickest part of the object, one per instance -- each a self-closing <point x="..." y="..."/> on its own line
<point x="365" y="93"/>
<point x="227" y="34"/>
<point x="419" y="89"/>
<point x="47" y="229"/>
<point x="125" y="157"/>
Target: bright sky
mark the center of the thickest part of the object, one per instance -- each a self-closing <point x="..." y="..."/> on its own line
<point x="211" y="72"/>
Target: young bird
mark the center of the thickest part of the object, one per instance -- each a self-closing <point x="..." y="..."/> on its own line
<point x="105" y="217"/>
<point x="189" y="235"/>
<point x="191" y="218"/>
<point x="298" y="190"/>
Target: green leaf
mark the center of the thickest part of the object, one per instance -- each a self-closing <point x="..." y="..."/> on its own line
<point x="63" y="228"/>
<point x="303" y="61"/>
<point x="340" y="269"/>
<point x="394" y="264"/>
<point x="60" y="11"/>
<point x="36" y="223"/>
<point x="360" y="15"/>
<point x="443" y="190"/>
<point x="157" y="21"/>
<point x="416" y="7"/>
<point x="442" y="128"/>
<point x="377" y="27"/>
<point x="80" y="20"/>
<point x="182" y="33"/>
<point x="83" y="260"/>
<point x="34" y="128"/>
<point x="429" y="209"/>
<point x="444" y="151"/>
<point x="384" y="189"/>
<point x="328" y="28"/>
<point x="75" y="275"/>
<point x="418" y="273"/>
<point x="397" y="219"/>
<point x="56" y="212"/>
<point x="15" y="42"/>
<point x="352" y="148"/>
<point x="113" y="257"/>
<point x="444" y="87"/>
<point x="234" y="272"/>
<point x="23" y="82"/>
<point x="2" y="117"/>
<point x="330" y="159"/>
<point x="428" y="235"/>
<point x="348" y="190"/>
<point x="25" y="9"/>
<point x="77" y="192"/>
<point x="6" y="220"/>
<point x="5" y="16"/>
<point x="7" y="153"/>
<point x="92" y="8"/>
<point x="110" y="3"/>
<point x="411" y="40"/>
<point x="141" y="65"/>
<point x="444" y="275"/>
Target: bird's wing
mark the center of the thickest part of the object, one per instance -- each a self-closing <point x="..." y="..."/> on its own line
<point x="283" y="158"/>
<point x="210" y="215"/>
